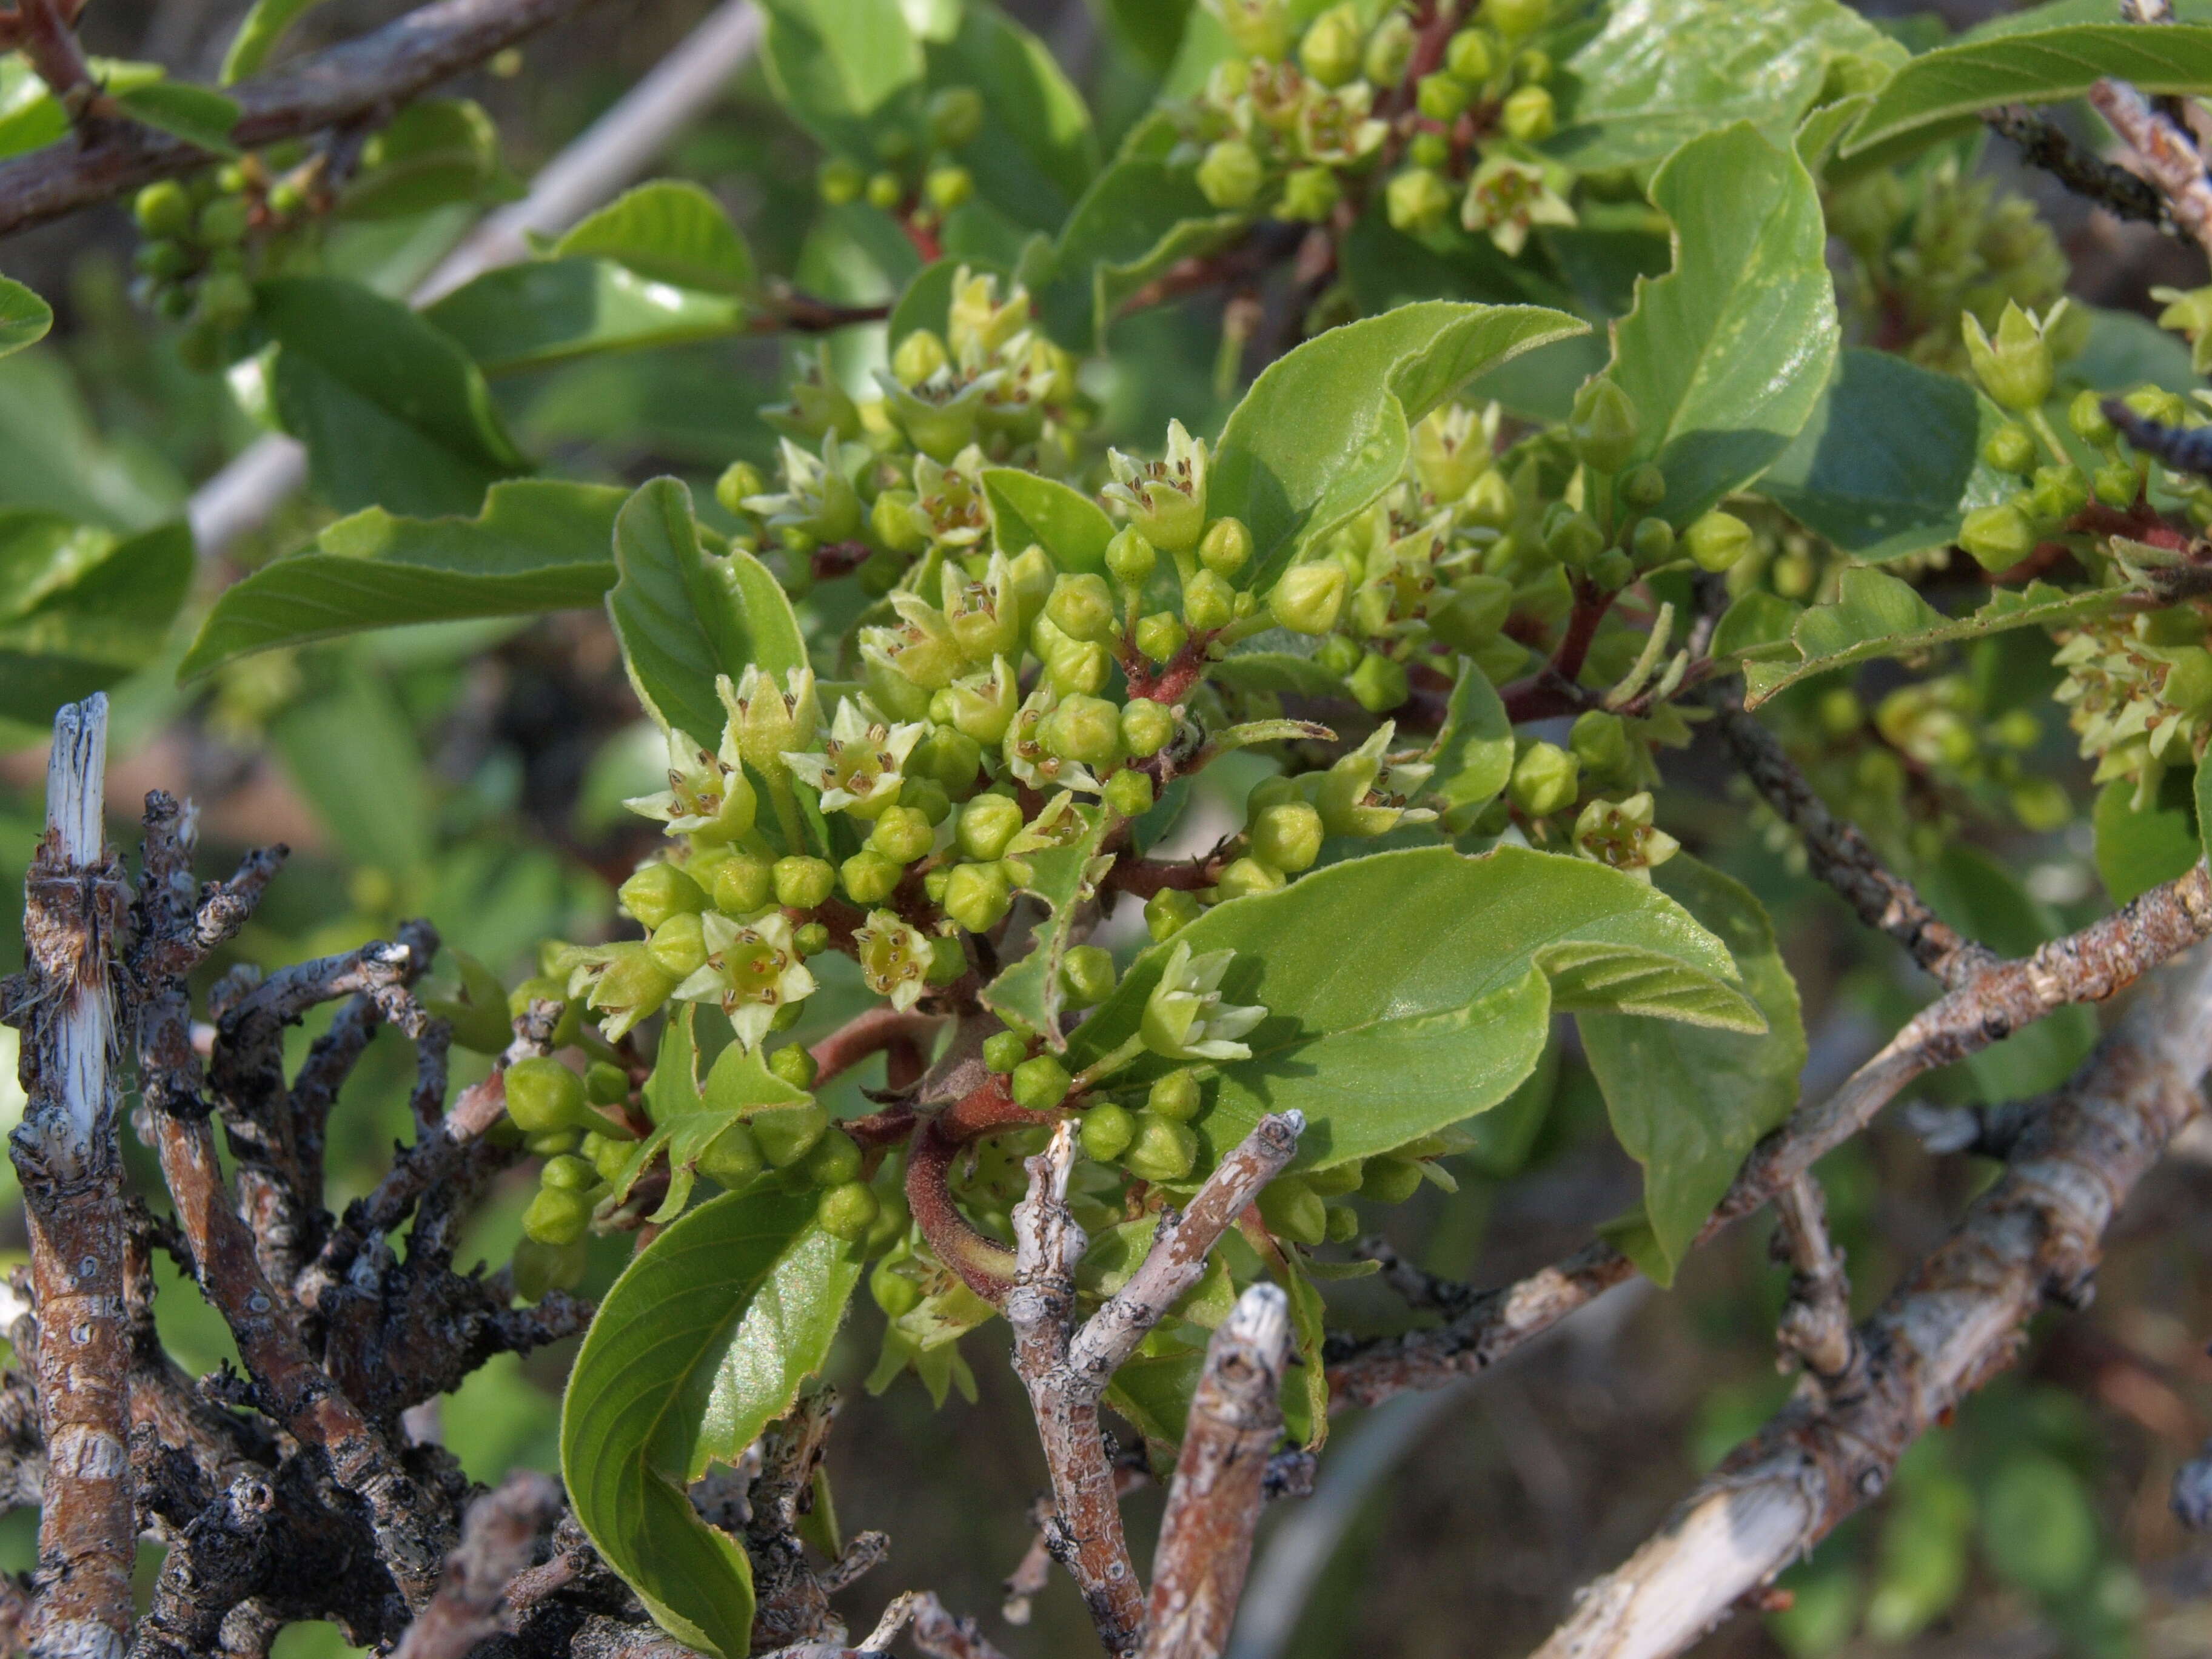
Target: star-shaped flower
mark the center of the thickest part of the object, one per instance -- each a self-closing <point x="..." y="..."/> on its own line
<point x="753" y="968"/>
<point x="1185" y="1018"/>
<point x="707" y="796"/>
<point x="859" y="771"/>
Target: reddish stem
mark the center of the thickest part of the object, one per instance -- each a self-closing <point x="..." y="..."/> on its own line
<point x="874" y="1032"/>
<point x="985" y="1265"/>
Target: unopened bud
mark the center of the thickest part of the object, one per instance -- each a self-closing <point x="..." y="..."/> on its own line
<point x="1717" y="540"/>
<point x="2015" y="368"/>
<point x="1545" y="780"/>
<point x="1229" y="175"/>
<point x="1603" y="426"/>
<point x="1309" y="598"/>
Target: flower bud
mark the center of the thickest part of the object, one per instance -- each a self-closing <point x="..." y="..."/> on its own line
<point x="795" y="1065"/>
<point x="1082" y="607"/>
<point x="538" y="1269"/>
<point x="740" y="481"/>
<point x="903" y="834"/>
<point x="1389" y="49"/>
<point x="1417" y="200"/>
<point x="1128" y="793"/>
<point x="553" y="1143"/>
<point x="1651" y="544"/>
<point x="2011" y="448"/>
<point x="678" y="946"/>
<point x="1175" y="1097"/>
<point x="1389" y="1179"/>
<point x="1072" y="667"/>
<point x="954" y="117"/>
<point x="1245" y="877"/>
<point x="1603" y="426"/>
<point x="895" y="1293"/>
<point x="987" y="825"/>
<point x="1208" y="602"/>
<point x="1229" y="175"/>
<point x="1379" y="683"/>
<point x="1106" y="1131"/>
<point x="1160" y="636"/>
<point x="977" y="897"/>
<point x="1287" y="836"/>
<point x="1717" y="540"/>
<point x="2117" y="484"/>
<point x="1161" y="1149"/>
<point x="1472" y="56"/>
<point x="1571" y="538"/>
<point x="847" y="1212"/>
<point x="1039" y="1084"/>
<point x="1442" y="97"/>
<point x="659" y="891"/>
<point x="1998" y="537"/>
<point x="1131" y="558"/>
<point x="786" y="1133"/>
<point x="1333" y="46"/>
<point x="1168" y="912"/>
<point x="885" y="192"/>
<point x="766" y="722"/>
<point x="732" y="1157"/>
<point x="1083" y="729"/>
<point x="1515" y="18"/>
<point x="1599" y="741"/>
<point x="1309" y="195"/>
<point x="918" y="357"/>
<point x="557" y="1216"/>
<point x="1530" y="115"/>
<point x="869" y="877"/>
<point x="1086" y="975"/>
<point x="1428" y="149"/>
<point x="1146" y="726"/>
<point x="1491" y="504"/>
<point x="801" y="881"/>
<point x="1545" y="780"/>
<point x="1227" y="547"/>
<point x="2086" y="415"/>
<point x="606" y="1084"/>
<point x="743" y="884"/>
<point x="1004" y="1050"/>
<point x="834" y="1160"/>
<point x="2016" y="367"/>
<point x="1612" y="570"/>
<point x="2059" y="493"/>
<point x="543" y="1096"/>
<point x="625" y="985"/>
<point x="1309" y="598"/>
<point x="1294" y="1211"/>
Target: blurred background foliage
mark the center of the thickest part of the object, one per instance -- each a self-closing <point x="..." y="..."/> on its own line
<point x="473" y="773"/>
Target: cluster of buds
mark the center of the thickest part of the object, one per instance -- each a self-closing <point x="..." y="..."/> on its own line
<point x="914" y="172"/>
<point x="1293" y="128"/>
<point x="2138" y="693"/>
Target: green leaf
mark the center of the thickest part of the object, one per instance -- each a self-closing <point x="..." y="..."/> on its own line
<point x="685" y="616"/>
<point x="1029" y="510"/>
<point x="684" y="1125"/>
<point x="1474" y="748"/>
<point x="540" y="545"/>
<point x="1031" y="993"/>
<point x="351" y="750"/>
<point x="436" y="151"/>
<point x="1875" y="614"/>
<point x="2040" y="66"/>
<point x="668" y="231"/>
<point x="25" y="317"/>
<point x="197" y="115"/>
<point x="1662" y="72"/>
<point x="30" y="115"/>
<point x="700" y="1344"/>
<point x="1036" y="153"/>
<point x="1152" y="29"/>
<point x="392" y="412"/>
<point x="259" y="31"/>
<point x="82" y="608"/>
<point x="1726" y="355"/>
<point x="1323" y="430"/>
<point x="834" y="63"/>
<point x="1891" y="461"/>
<point x="1268" y="662"/>
<point x="1687" y="1103"/>
<point x="2138" y="849"/>
<point x="551" y="311"/>
<point x="1759" y="625"/>
<point x="55" y="455"/>
<point x="1382" y="1034"/>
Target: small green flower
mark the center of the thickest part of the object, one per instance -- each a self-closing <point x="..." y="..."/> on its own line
<point x="1185" y="1018"/>
<point x="621" y="982"/>
<point x="1451" y="449"/>
<point x="895" y="956"/>
<point x="764" y="722"/>
<point x="1336" y="130"/>
<point x="858" y="771"/>
<point x="979" y="325"/>
<point x="1165" y="500"/>
<point x="981" y="707"/>
<point x="1507" y="198"/>
<point x="1620" y="834"/>
<point x="949" y="506"/>
<point x="2015" y="368"/>
<point x="939" y="415"/>
<point x="921" y="647"/>
<point x="707" y="796"/>
<point x="753" y="969"/>
<point x="1362" y="794"/>
<point x="817" y="500"/>
<point x="985" y="616"/>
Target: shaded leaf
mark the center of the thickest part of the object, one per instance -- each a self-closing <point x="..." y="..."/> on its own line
<point x="1474" y="748"/>
<point x="1031" y="994"/>
<point x="2138" y="849"/>
<point x="436" y="151"/>
<point x="80" y="608"/>
<point x="1036" y="153"/>
<point x="198" y="115"/>
<point x="351" y="750"/>
<point x="259" y="31"/>
<point x="1027" y="510"/>
<point x="668" y="231"/>
<point x="549" y="311"/>
<point x="25" y="317"/>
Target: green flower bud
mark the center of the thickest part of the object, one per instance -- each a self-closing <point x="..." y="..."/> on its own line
<point x="946" y="759"/>
<point x="2016" y="367"/>
<point x="869" y="877"/>
<point x="1082" y="607"/>
<point x="2012" y="448"/>
<point x="1545" y="780"/>
<point x="731" y="1159"/>
<point x="947" y="188"/>
<point x="987" y="825"/>
<point x="1335" y="1181"/>
<point x="164" y="260"/>
<point x="548" y="990"/>
<point x="1073" y="667"/>
<point x="1247" y="875"/>
<point x="1004" y="1050"/>
<point x="895" y="1293"/>
<point x="1603" y="426"/>
<point x="795" y="1065"/>
<point x="1379" y="683"/>
<point x="740" y="481"/>
<point x="927" y="797"/>
<point x="948" y="960"/>
<point x="1309" y="598"/>
<point x="903" y="833"/>
<point x="1131" y="558"/>
<point x="1491" y="504"/>
<point x="1083" y="729"/>
<point x="1612" y="570"/>
<point x="606" y="1153"/>
<point x="1471" y="618"/>
<point x="1515" y="18"/>
<point x="1342" y="1224"/>
<point x="1086" y="975"/>
<point x="1428" y="149"/>
<point x="1419" y="201"/>
<point x="1227" y="547"/>
<point x="1146" y="726"/>
<point x="1333" y="46"/>
<point x="556" y="1217"/>
<point x="1208" y="602"/>
<point x="606" y="1084"/>
<point x="1716" y="540"/>
<point x="1472" y="56"/>
<point x="1643" y="486"/>
<point x="1175" y="1097"/>
<point x="1160" y="636"/>
<point x="543" y="1096"/>
<point x="540" y="1269"/>
<point x="223" y="222"/>
<point x="1389" y="49"/>
<point x="225" y="298"/>
<point x="837" y="181"/>
<point x="847" y="1212"/>
<point x="1599" y="742"/>
<point x="954" y="117"/>
<point x="2086" y="415"/>
<point x="162" y="209"/>
<point x="834" y="1160"/>
<point x="801" y="882"/>
<point x="571" y="1173"/>
<point x="1106" y="1132"/>
<point x="892" y="522"/>
<point x="1571" y="538"/>
<point x="1390" y="1179"/>
<point x="553" y="1143"/>
<point x="1651" y="543"/>
<point x="1442" y="97"/>
<point x="1998" y="538"/>
<point x="1230" y="174"/>
<point x="678" y="946"/>
<point x="1287" y="836"/>
<point x="2117" y="484"/>
<point x="1293" y="1211"/>
<point x="743" y="884"/>
<point x="1040" y="1084"/>
<point x="788" y="1134"/>
<point x="1529" y="115"/>
<point x="2060" y="492"/>
<point x="1339" y="655"/>
<point x="1309" y="195"/>
<point x="1128" y="793"/>
<point x="1168" y="912"/>
<point x="977" y="897"/>
<point x="658" y="892"/>
<point x="1161" y="1149"/>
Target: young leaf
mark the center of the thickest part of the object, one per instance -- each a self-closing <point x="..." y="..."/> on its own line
<point x="2039" y="66"/>
<point x="351" y="750"/>
<point x="1029" y="992"/>
<point x="259" y="31"/>
<point x="669" y="231"/>
<point x="1663" y="72"/>
<point x="392" y="412"/>
<point x="1876" y="616"/>
<point x="82" y="608"/>
<point x="1686" y="1103"/>
<point x="195" y="114"/>
<point x="551" y="311"/>
<point x="835" y="64"/>
<point x="1381" y="1032"/>
<point x="540" y="545"/>
<point x="685" y="616"/>
<point x="1890" y="462"/>
<point x="1474" y="748"/>
<point x="1036" y="153"/>
<point x="24" y="317"/>
<point x="1725" y="356"/>
<point x="1027" y="510"/>
<point x="2138" y="849"/>
<point x="435" y="152"/>
<point x="700" y="1344"/>
<point x="1323" y="431"/>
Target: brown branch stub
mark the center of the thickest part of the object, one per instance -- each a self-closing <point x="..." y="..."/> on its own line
<point x="1213" y="1504"/>
<point x="1816" y="1320"/>
<point x="2167" y="152"/>
<point x="497" y="1541"/>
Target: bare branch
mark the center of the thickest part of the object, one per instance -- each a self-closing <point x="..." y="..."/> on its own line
<point x="2167" y="152"/>
<point x="497" y="1541"/>
<point x="2044" y="144"/>
<point x="1213" y="1505"/>
<point x="1948" y="1328"/>
<point x="1816" y="1321"/>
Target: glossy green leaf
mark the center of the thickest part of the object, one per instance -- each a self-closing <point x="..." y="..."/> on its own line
<point x="1875" y="614"/>
<point x="834" y="63"/>
<point x="1726" y="355"/>
<point x="2140" y="847"/>
<point x="2038" y="66"/>
<point x="1474" y="748"/>
<point x="1890" y="462"/>
<point x="1758" y="625"/>
<point x="436" y="151"/>
<point x="392" y="412"/>
<point x="25" y="317"/>
<point x="1031" y="993"/>
<point x="685" y="616"/>
<point x="1323" y="430"/>
<point x="1030" y="511"/>
<point x="1663" y="72"/>
<point x="669" y="231"/>
<point x="259" y="31"/>
<point x="80" y="608"/>
<point x="1036" y="152"/>
<point x="1380" y="1034"/>
<point x="540" y="545"/>
<point x="351" y="750"/>
<point x="1688" y="1102"/>
<point x="549" y="311"/>
<point x="198" y="115"/>
<point x="701" y="1343"/>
